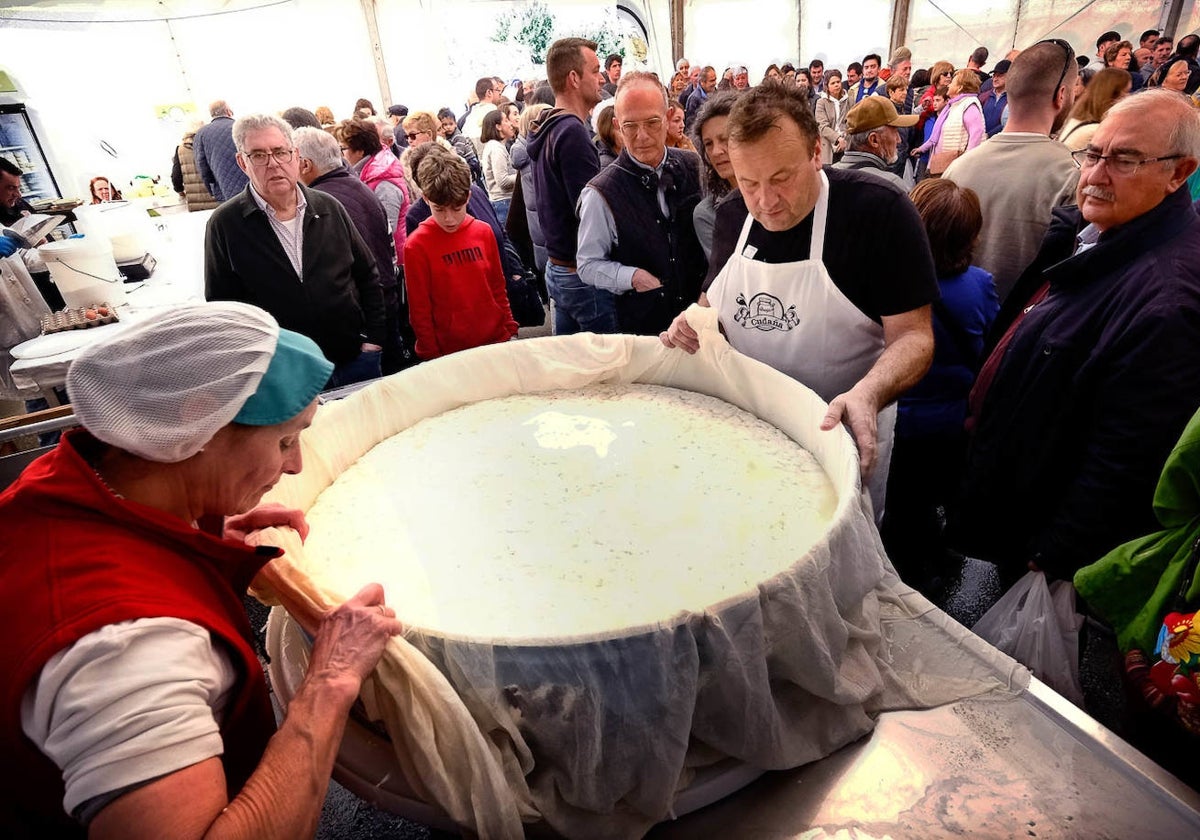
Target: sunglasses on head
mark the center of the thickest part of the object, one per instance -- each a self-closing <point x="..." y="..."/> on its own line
<point x="1068" y="59"/>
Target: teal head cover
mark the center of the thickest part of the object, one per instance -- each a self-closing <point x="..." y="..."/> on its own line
<point x="295" y="375"/>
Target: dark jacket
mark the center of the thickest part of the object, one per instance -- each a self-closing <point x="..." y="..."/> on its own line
<point x="666" y="247"/>
<point x="564" y="160"/>
<point x="1093" y="390"/>
<point x="695" y="99"/>
<point x="993" y="110"/>
<point x="339" y="304"/>
<point x="369" y="220"/>
<point x="216" y="159"/>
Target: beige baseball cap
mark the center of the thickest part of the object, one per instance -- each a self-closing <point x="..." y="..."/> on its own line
<point x="875" y="112"/>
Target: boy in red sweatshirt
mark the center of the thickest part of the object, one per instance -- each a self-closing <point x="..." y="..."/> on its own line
<point x="456" y="291"/>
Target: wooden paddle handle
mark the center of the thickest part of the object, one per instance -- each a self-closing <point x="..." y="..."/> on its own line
<point x="281" y="582"/>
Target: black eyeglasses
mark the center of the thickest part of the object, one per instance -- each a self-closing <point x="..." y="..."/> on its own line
<point x="1068" y="61"/>
<point x="1120" y="164"/>
<point x="413" y="135"/>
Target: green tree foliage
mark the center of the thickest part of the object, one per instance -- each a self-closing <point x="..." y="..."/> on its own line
<point x="534" y="27"/>
<point x="531" y="26"/>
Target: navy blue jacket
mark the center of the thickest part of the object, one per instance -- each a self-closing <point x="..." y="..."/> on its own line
<point x="564" y="160"/>
<point x="216" y="159"/>
<point x="1092" y="392"/>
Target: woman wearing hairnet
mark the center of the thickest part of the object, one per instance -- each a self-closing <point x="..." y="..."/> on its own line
<point x="133" y="700"/>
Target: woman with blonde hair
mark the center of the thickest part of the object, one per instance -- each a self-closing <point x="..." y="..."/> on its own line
<point x="678" y="83"/>
<point x="325" y="116"/>
<point x="420" y="127"/>
<point x="1103" y="91"/>
<point x="959" y="127"/>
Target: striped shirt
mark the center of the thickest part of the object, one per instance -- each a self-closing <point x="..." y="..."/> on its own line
<point x="290" y="232"/>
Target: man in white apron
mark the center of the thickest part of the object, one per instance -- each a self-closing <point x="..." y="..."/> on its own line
<point x="825" y="275"/>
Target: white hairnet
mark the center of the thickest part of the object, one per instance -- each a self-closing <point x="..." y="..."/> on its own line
<point x="163" y="387"/>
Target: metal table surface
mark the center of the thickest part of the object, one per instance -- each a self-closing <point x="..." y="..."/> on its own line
<point x="1036" y="766"/>
<point x="1032" y="765"/>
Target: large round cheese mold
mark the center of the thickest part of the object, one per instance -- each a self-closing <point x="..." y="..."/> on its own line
<point x="570" y="512"/>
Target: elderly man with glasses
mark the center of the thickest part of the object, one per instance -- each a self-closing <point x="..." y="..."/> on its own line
<point x="1094" y="377"/>
<point x="295" y="253"/>
<point x="636" y="237"/>
<point x="1021" y="174"/>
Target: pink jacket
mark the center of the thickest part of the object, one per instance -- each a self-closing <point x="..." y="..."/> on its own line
<point x="383" y="166"/>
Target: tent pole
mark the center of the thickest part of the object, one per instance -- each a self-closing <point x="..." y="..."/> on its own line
<point x="676" y="11"/>
<point x="385" y="88"/>
<point x="1168" y="21"/>
<point x="900" y="11"/>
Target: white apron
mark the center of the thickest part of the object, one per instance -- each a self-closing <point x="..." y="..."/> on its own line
<point x="793" y="317"/>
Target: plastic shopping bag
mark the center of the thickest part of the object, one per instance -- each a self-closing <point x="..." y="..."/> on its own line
<point x="1040" y="630"/>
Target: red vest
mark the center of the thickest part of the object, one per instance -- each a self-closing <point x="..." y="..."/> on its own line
<point x="75" y="558"/>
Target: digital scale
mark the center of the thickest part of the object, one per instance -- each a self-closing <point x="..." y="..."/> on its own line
<point x="135" y="271"/>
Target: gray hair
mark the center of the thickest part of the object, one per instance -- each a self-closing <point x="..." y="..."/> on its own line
<point x="860" y="140"/>
<point x="319" y="147"/>
<point x="387" y="131"/>
<point x="258" y="122"/>
<point x="679" y="64"/>
<point x="1157" y="106"/>
<point x="219" y="108"/>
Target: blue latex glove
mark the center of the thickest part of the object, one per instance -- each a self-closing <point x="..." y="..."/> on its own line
<point x="8" y="246"/>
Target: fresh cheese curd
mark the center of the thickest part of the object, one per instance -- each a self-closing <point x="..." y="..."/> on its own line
<point x="570" y="512"/>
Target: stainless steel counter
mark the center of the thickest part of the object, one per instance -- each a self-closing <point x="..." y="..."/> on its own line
<point x="1035" y="766"/>
<point x="1029" y="766"/>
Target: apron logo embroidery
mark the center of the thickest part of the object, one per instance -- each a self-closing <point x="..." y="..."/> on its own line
<point x="765" y="312"/>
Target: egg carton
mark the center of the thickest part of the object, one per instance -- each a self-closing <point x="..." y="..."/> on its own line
<point x="79" y="318"/>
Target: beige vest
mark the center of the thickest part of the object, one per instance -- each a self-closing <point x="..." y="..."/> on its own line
<point x="194" y="192"/>
<point x="954" y="133"/>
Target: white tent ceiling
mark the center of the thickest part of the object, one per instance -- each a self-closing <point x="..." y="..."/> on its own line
<point x="96" y="74"/>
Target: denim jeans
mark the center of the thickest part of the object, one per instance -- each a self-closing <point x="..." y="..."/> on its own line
<point x="501" y="207"/>
<point x="579" y="307"/>
<point x="366" y="366"/>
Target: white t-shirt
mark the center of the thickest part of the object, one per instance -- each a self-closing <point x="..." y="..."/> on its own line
<point x="129" y="703"/>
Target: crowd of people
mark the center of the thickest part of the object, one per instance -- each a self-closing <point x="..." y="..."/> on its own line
<point x="990" y="277"/>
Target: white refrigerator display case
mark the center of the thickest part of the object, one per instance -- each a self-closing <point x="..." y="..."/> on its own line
<point x="19" y="143"/>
